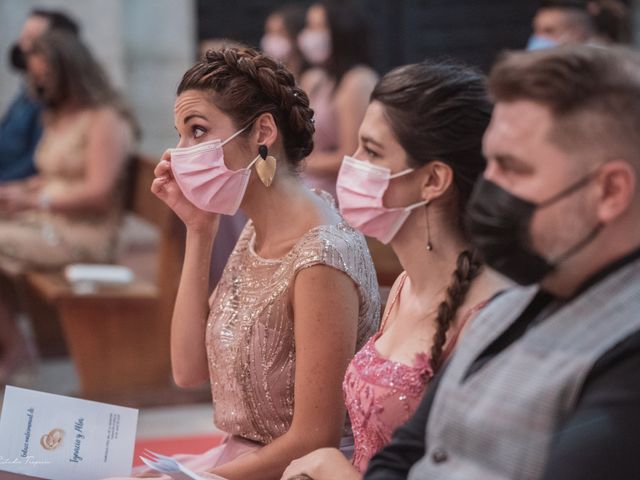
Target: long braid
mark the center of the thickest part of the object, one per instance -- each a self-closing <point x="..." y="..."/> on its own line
<point x="468" y="267"/>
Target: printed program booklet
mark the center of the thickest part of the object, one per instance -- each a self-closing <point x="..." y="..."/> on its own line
<point x="63" y="438"/>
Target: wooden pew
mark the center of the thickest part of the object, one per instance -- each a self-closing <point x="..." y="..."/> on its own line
<point x="118" y="337"/>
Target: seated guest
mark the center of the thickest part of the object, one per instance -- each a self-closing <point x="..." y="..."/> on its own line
<point x="420" y="152"/>
<point x="20" y="127"/>
<point x="579" y="21"/>
<point x="544" y="384"/>
<point x="335" y="42"/>
<point x="70" y="212"/>
<point x="298" y="295"/>
<point x="280" y="39"/>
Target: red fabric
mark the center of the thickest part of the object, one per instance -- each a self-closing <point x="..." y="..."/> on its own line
<point x="173" y="445"/>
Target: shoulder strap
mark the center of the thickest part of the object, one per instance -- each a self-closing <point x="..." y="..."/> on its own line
<point x="403" y="277"/>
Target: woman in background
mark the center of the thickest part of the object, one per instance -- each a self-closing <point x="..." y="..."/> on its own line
<point x="335" y="42"/>
<point x="280" y="39"/>
<point x="70" y="211"/>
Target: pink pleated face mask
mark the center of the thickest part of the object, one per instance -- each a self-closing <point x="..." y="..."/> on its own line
<point x="205" y="180"/>
<point x="361" y="187"/>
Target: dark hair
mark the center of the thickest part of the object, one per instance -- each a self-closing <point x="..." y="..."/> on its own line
<point x="350" y="37"/>
<point x="294" y="18"/>
<point x="593" y="94"/>
<point x="440" y="111"/>
<point x="245" y="84"/>
<point x="57" y="20"/>
<point x="611" y="20"/>
<point x="76" y="77"/>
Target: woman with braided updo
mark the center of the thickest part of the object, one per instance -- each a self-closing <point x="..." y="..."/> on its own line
<point x="298" y="295"/>
<point x="418" y="158"/>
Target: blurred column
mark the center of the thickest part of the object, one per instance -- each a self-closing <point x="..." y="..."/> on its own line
<point x="160" y="41"/>
<point x="145" y="46"/>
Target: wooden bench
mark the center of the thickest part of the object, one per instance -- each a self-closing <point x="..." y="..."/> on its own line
<point x="118" y="337"/>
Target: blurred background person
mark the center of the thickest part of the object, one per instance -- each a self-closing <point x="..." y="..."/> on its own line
<point x="70" y="211"/>
<point x="20" y="127"/>
<point x="280" y="39"/>
<point x="612" y="21"/>
<point x="579" y="21"/>
<point x="335" y="41"/>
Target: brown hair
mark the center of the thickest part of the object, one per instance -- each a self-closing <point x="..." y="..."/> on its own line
<point x="439" y="111"/>
<point x="593" y="94"/>
<point x="468" y="266"/>
<point x="611" y="20"/>
<point x="245" y="84"/>
<point x="77" y="77"/>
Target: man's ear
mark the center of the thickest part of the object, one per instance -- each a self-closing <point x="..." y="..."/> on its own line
<point x="618" y="182"/>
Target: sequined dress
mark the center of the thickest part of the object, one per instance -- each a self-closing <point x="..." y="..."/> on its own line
<point x="250" y="341"/>
<point x="382" y="394"/>
<point x="250" y="338"/>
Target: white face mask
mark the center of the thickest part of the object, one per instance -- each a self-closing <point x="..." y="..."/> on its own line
<point x="205" y="180"/>
<point x="361" y="187"/>
<point x="315" y="45"/>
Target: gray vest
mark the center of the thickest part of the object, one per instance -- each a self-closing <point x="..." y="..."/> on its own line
<point x="499" y="423"/>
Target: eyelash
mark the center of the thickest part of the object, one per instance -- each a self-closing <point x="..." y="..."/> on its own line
<point x="370" y="152"/>
<point x="196" y="128"/>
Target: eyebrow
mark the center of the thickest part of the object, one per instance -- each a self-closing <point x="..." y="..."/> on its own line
<point x="367" y="139"/>
<point x="194" y="115"/>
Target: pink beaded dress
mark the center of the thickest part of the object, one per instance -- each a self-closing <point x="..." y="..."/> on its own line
<point x="250" y="336"/>
<point x="382" y="394"/>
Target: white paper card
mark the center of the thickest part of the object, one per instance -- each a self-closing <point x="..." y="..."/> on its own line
<point x="63" y="438"/>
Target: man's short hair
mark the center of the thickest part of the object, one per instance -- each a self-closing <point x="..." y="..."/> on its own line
<point x="58" y="20"/>
<point x="592" y="92"/>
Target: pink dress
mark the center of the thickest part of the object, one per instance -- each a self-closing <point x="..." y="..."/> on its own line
<point x="325" y="138"/>
<point x="382" y="394"/>
<point x="250" y="336"/>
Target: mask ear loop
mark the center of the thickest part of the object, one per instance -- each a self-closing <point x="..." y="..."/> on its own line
<point x="401" y="174"/>
<point x="235" y="134"/>
<point x="594" y="232"/>
<point x="253" y="162"/>
<point x="568" y="191"/>
<point x="579" y="246"/>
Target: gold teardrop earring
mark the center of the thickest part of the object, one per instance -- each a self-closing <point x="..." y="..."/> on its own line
<point x="429" y="244"/>
<point x="265" y="166"/>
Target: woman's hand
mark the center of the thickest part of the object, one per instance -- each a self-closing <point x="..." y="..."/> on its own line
<point x="323" y="464"/>
<point x="14" y="198"/>
<point x="166" y="189"/>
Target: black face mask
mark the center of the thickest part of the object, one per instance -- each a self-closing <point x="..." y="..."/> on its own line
<point x="499" y="222"/>
<point x="17" y="58"/>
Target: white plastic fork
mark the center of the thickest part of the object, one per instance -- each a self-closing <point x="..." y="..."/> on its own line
<point x="169" y="465"/>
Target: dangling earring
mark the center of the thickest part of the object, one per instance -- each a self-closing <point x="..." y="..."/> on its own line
<point x="265" y="166"/>
<point x="429" y="245"/>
